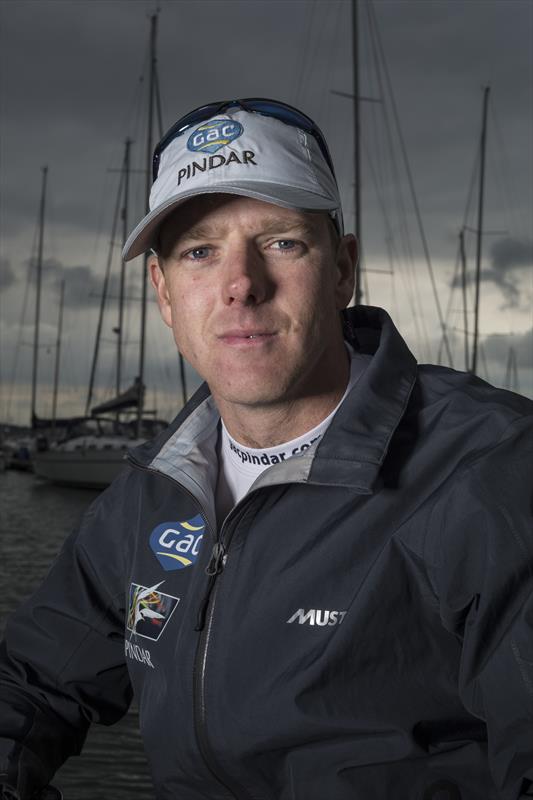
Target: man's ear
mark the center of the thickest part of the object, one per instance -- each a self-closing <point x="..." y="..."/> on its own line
<point x="347" y="255"/>
<point x="159" y="282"/>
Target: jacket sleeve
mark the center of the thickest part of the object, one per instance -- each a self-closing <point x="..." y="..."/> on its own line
<point x="484" y="579"/>
<point x="62" y="662"/>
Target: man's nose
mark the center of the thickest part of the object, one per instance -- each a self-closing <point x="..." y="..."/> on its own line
<point x="246" y="281"/>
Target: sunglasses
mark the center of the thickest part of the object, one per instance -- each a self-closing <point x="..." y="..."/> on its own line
<point x="259" y="105"/>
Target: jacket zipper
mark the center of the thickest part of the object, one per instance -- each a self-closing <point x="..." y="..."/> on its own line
<point x="200" y="667"/>
<point x="204" y="625"/>
<point x="215" y="566"/>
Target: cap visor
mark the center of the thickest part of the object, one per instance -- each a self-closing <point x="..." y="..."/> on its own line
<point x="142" y="237"/>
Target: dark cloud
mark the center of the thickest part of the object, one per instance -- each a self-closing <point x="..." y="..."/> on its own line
<point x="7" y="276"/>
<point x="70" y="93"/>
<point x="71" y="90"/>
<point x="510" y="254"/>
<point x="84" y="289"/>
<point x="83" y="285"/>
<point x="510" y="259"/>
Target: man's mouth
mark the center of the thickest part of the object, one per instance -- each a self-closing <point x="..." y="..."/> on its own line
<point x="237" y="336"/>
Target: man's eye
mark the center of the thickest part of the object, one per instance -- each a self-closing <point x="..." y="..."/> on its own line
<point x="285" y="244"/>
<point x="198" y="253"/>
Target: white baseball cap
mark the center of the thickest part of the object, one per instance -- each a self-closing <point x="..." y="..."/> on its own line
<point x="240" y="151"/>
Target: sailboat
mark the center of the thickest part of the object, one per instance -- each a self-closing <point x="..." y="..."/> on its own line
<point x="93" y="457"/>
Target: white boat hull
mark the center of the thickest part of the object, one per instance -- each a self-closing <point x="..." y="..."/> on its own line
<point x="94" y="469"/>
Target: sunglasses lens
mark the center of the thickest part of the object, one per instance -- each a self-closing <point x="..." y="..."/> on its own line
<point x="179" y="127"/>
<point x="281" y="111"/>
<point x="270" y="108"/>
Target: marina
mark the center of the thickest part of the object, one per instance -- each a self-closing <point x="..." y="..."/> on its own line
<point x="451" y="315"/>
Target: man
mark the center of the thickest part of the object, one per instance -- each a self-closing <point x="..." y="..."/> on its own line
<point x="318" y="581"/>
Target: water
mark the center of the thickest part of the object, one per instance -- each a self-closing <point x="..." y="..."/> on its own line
<point x="35" y="518"/>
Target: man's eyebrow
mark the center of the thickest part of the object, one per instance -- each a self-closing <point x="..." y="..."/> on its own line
<point x="281" y="225"/>
<point x="273" y="225"/>
<point x="200" y="232"/>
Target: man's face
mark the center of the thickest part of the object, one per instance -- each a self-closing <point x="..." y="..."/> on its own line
<point x="252" y="293"/>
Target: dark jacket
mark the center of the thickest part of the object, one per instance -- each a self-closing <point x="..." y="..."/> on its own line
<point x="358" y="629"/>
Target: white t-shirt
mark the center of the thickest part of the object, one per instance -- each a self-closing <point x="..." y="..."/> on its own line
<point x="240" y="466"/>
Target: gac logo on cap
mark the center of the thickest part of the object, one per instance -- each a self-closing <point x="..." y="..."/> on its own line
<point x="211" y="136"/>
<point x="176" y="545"/>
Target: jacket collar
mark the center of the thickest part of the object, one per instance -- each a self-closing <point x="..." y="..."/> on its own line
<point x="352" y="452"/>
<point x="356" y="443"/>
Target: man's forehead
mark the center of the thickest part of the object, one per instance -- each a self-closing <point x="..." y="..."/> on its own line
<point x="217" y="214"/>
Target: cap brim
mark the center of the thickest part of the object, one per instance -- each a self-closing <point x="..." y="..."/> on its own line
<point x="142" y="238"/>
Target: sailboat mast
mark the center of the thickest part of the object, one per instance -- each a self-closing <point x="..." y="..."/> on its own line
<point x="473" y="367"/>
<point x="151" y="98"/>
<point x="358" y="294"/>
<point x="120" y="339"/>
<point x="58" y="353"/>
<point x="38" y="299"/>
<point x="465" y="295"/>
<point x="103" y="301"/>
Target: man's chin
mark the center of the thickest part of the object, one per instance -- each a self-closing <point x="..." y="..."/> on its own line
<point x="250" y="397"/>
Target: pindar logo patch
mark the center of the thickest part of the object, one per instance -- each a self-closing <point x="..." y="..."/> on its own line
<point x="149" y="610"/>
<point x="176" y="545"/>
<point x="212" y="135"/>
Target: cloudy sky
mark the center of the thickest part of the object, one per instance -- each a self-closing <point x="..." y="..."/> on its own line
<point x="73" y="88"/>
